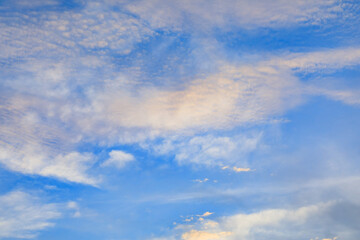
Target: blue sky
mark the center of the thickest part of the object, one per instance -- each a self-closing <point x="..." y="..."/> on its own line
<point x="179" y="120"/>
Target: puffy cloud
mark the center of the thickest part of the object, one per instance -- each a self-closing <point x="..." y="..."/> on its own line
<point x="118" y="159"/>
<point x="323" y="219"/>
<point x="23" y="215"/>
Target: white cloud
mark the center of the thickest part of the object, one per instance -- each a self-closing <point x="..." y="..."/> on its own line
<point x="118" y="159"/>
<point x="207" y="150"/>
<point x="46" y="116"/>
<point x="347" y="96"/>
<point x="211" y="150"/>
<point x="249" y="225"/>
<point x="23" y="4"/>
<point x="199" y="14"/>
<point x="32" y="145"/>
<point x="66" y="33"/>
<point x="31" y="160"/>
<point x="74" y="206"/>
<point x="330" y="60"/>
<point x="23" y="215"/>
<point x="237" y="169"/>
<point x="202" y="235"/>
<point x="323" y="220"/>
<point x="236" y="95"/>
<point x="206" y="214"/>
<point x="233" y="96"/>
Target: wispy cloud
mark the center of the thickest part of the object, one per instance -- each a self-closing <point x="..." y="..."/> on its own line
<point x="329" y="59"/>
<point x="180" y="83"/>
<point x="67" y="90"/>
<point x="23" y="215"/>
<point x="210" y="150"/>
<point x="33" y="160"/>
<point x="235" y="96"/>
<point x="245" y="14"/>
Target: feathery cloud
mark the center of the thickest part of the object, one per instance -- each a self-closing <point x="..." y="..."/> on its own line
<point x="23" y="215"/>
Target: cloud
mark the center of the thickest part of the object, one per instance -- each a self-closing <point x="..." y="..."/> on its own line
<point x="208" y="150"/>
<point x="235" y="95"/>
<point x="74" y="206"/>
<point x="23" y="215"/>
<point x="23" y="4"/>
<point x="236" y="169"/>
<point x="201" y="180"/>
<point x="67" y="91"/>
<point x="47" y="126"/>
<point x="30" y="160"/>
<point x="206" y="214"/>
<point x="66" y="33"/>
<point x="202" y="235"/>
<point x="246" y="14"/>
<point x="321" y="219"/>
<point x="118" y="159"/>
<point x="350" y="97"/>
<point x="59" y="52"/>
<point x="329" y="59"/>
<point x="33" y="143"/>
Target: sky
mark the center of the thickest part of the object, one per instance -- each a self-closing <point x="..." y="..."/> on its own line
<point x="180" y="119"/>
